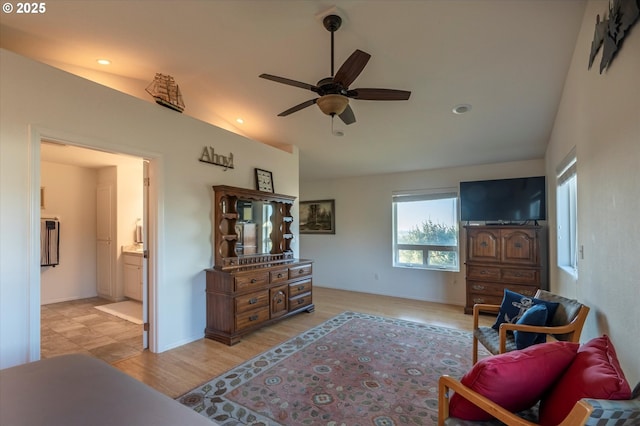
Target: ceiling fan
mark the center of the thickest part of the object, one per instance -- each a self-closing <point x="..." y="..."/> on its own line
<point x="334" y="91"/>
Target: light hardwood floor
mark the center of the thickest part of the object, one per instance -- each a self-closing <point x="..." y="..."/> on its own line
<point x="179" y="370"/>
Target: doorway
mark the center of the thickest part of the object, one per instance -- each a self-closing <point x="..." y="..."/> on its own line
<point x="72" y="180"/>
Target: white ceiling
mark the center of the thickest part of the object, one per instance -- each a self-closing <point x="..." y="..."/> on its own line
<point x="507" y="58"/>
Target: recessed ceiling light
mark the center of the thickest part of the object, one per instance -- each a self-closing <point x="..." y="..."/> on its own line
<point x="461" y="108"/>
<point x="240" y="120"/>
<point x="104" y="62"/>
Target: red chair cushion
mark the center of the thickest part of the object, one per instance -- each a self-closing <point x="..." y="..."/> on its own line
<point x="514" y="380"/>
<point x="594" y="373"/>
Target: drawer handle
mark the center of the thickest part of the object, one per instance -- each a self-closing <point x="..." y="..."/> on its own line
<point x="478" y="300"/>
<point x="253" y="301"/>
<point x="279" y="301"/>
<point x="301" y="301"/>
<point x="478" y="287"/>
<point x="518" y="274"/>
<point x="301" y="271"/>
<point x="253" y="317"/>
<point x="300" y="287"/>
<point x="483" y="244"/>
<point x="279" y="275"/>
<point x="483" y="272"/>
<point x="517" y="245"/>
<point x="253" y="281"/>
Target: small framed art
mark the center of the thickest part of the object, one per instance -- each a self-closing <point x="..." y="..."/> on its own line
<point x="317" y="217"/>
<point x="264" y="180"/>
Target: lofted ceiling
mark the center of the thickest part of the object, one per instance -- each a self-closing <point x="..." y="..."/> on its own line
<point x="506" y="58"/>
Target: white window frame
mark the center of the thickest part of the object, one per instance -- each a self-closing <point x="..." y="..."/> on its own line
<point x="567" y="213"/>
<point x="425" y="195"/>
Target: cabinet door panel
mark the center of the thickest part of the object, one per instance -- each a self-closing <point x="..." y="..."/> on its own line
<point x="519" y="246"/>
<point x="483" y="245"/>
<point x="279" y="301"/>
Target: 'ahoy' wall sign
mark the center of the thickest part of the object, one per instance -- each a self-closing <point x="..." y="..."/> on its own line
<point x="209" y="156"/>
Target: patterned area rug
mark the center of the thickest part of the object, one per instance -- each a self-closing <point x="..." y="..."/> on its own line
<point x="354" y="369"/>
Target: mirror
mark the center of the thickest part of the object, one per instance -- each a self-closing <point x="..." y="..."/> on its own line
<point x="250" y="227"/>
<point x="254" y="227"/>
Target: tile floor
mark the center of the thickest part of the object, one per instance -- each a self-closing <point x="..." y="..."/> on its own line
<point x="77" y="327"/>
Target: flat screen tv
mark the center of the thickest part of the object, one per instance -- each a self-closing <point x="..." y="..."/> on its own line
<point x="503" y="200"/>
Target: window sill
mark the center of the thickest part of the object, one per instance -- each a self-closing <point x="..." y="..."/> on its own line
<point x="573" y="272"/>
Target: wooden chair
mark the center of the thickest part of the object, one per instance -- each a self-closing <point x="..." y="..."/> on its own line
<point x="577" y="417"/>
<point x="566" y="325"/>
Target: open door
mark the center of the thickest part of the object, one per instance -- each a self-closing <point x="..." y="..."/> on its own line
<point x="145" y="257"/>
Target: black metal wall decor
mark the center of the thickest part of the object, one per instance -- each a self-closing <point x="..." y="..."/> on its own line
<point x="610" y="31"/>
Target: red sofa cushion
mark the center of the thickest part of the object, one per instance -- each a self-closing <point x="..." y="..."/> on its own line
<point x="594" y="373"/>
<point x="514" y="380"/>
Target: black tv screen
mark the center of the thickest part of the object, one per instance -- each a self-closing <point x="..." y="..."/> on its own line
<point x="503" y="200"/>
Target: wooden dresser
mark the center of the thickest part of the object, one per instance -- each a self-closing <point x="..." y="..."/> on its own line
<point x="244" y="299"/>
<point x="248" y="289"/>
<point x="503" y="257"/>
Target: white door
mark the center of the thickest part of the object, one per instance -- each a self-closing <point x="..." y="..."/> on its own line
<point x="145" y="258"/>
<point x="103" y="268"/>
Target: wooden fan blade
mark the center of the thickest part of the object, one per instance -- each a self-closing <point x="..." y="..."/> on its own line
<point x="379" y="94"/>
<point x="290" y="82"/>
<point x="347" y="116"/>
<point x="298" y="107"/>
<point x="351" y="68"/>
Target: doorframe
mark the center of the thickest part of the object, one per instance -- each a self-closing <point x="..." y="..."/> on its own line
<point x="154" y="230"/>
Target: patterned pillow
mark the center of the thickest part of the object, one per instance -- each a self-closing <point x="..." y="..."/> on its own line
<point x="514" y="305"/>
<point x="514" y="380"/>
<point x="535" y="315"/>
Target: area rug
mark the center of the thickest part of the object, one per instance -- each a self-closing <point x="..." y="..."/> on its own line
<point x="128" y="310"/>
<point x="354" y="369"/>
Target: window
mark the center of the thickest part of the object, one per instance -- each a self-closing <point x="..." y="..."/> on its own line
<point x="425" y="230"/>
<point x="567" y="208"/>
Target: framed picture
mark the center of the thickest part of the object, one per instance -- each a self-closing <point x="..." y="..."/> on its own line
<point x="317" y="217"/>
<point x="264" y="180"/>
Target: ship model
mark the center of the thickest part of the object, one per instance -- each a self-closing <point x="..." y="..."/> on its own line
<point x="166" y="92"/>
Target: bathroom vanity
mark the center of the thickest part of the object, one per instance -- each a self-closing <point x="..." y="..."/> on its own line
<point x="255" y="280"/>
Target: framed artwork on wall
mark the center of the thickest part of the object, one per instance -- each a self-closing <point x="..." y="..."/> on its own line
<point x="264" y="180"/>
<point x="317" y="217"/>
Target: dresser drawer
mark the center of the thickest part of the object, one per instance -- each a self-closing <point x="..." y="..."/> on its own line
<point x="486" y="289"/>
<point x="474" y="298"/>
<point x="299" y="271"/>
<point x="278" y="276"/>
<point x="300" y="287"/>
<point x="299" y="301"/>
<point x="252" y="318"/>
<point x="251" y="281"/>
<point x="482" y="272"/>
<point x="524" y="276"/>
<point x="251" y="301"/>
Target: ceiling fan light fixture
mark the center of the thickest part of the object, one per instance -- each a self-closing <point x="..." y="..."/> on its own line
<point x="332" y="104"/>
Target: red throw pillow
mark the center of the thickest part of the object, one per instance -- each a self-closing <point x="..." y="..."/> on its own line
<point x="594" y="373"/>
<point x="514" y="380"/>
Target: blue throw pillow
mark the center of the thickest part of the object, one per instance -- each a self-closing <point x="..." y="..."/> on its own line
<point x="514" y="305"/>
<point x="535" y="315"/>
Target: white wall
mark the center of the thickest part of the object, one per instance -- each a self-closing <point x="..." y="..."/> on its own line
<point x="600" y="116"/>
<point x="40" y="101"/>
<point x="361" y="249"/>
<point x="70" y="194"/>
